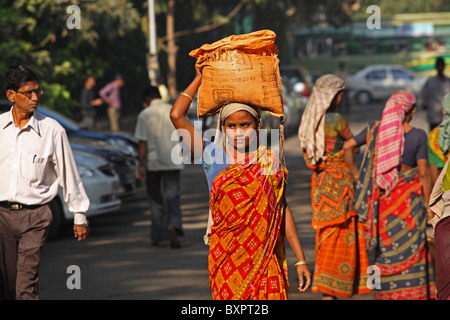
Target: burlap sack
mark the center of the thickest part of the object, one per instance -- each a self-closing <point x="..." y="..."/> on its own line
<point x="240" y="68"/>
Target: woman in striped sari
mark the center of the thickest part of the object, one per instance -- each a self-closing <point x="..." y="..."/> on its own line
<point x="391" y="194"/>
<point x="341" y="259"/>
<point x="249" y="214"/>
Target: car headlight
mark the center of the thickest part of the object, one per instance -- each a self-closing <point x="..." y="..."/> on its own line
<point x="85" y="172"/>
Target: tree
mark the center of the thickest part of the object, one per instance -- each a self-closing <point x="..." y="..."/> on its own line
<point x="35" y="33"/>
<point x="168" y="41"/>
<point x="197" y="22"/>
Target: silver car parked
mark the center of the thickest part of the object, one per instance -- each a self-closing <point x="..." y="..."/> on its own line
<point x="379" y="82"/>
<point x="101" y="183"/>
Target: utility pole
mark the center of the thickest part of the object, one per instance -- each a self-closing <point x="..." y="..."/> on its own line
<point x="153" y="65"/>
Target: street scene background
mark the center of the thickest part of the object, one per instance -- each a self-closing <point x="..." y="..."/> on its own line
<point x="118" y="262"/>
<point x="64" y="42"/>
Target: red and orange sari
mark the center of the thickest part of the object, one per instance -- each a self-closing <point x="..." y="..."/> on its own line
<point x="341" y="259"/>
<point x="247" y="253"/>
<point x="395" y="230"/>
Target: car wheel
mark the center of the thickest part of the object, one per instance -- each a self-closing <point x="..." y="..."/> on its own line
<point x="58" y="219"/>
<point x="363" y="97"/>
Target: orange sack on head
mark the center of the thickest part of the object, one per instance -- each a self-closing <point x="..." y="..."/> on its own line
<point x="240" y="68"/>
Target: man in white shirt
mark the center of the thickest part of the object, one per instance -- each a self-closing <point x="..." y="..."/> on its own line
<point x="35" y="158"/>
<point x="154" y="131"/>
<point x="432" y="92"/>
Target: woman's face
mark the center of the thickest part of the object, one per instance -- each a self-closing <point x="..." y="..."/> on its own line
<point x="241" y="130"/>
<point x="337" y="99"/>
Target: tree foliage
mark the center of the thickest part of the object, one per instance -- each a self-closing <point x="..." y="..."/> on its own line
<point x="114" y="36"/>
<point x="34" y="33"/>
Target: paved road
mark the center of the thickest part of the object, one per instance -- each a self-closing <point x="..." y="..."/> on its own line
<point x="117" y="261"/>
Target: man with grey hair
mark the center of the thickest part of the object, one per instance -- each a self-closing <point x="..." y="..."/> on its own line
<point x="36" y="159"/>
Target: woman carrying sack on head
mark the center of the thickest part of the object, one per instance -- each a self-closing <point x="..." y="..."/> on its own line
<point x="250" y="216"/>
<point x="341" y="260"/>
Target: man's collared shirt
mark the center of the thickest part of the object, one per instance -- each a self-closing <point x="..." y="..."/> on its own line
<point x="35" y="160"/>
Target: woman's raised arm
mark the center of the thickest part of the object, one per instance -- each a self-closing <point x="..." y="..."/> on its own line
<point x="191" y="137"/>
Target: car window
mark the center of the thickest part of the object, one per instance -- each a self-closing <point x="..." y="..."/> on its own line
<point x="376" y="75"/>
<point x="401" y="74"/>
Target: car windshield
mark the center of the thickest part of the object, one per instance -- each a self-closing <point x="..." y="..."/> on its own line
<point x="67" y="123"/>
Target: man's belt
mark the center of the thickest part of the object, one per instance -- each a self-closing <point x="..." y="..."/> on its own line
<point x="18" y="206"/>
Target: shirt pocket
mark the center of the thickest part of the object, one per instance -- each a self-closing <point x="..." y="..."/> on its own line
<point x="33" y="167"/>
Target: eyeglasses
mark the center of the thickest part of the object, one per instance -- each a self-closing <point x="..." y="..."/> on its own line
<point x="29" y="94"/>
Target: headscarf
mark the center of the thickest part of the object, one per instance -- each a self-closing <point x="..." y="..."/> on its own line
<point x="311" y="131"/>
<point x="227" y="110"/>
<point x="391" y="140"/>
<point x="220" y="140"/>
<point x="444" y="127"/>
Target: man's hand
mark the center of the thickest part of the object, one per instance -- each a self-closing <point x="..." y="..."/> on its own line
<point x="81" y="232"/>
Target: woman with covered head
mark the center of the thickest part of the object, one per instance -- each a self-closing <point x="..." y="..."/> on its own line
<point x="392" y="191"/>
<point x="249" y="214"/>
<point x="439" y="141"/>
<point x="341" y="260"/>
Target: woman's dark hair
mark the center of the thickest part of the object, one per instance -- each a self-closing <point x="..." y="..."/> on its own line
<point x="16" y="76"/>
<point x="410" y="111"/>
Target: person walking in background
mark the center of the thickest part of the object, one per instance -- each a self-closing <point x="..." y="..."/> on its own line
<point x="157" y="169"/>
<point x="249" y="213"/>
<point x="392" y="190"/>
<point x="36" y="159"/>
<point x="111" y="95"/>
<point x="88" y="103"/>
<point x="433" y="91"/>
<point x="341" y="259"/>
<point x="439" y="142"/>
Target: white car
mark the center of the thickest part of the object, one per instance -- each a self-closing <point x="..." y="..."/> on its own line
<point x="379" y="82"/>
<point x="101" y="184"/>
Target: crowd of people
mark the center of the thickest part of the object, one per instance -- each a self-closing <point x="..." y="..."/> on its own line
<point x="387" y="202"/>
<point x="370" y="215"/>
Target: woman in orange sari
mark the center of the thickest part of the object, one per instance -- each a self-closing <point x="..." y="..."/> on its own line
<point x="341" y="260"/>
<point x="249" y="214"/>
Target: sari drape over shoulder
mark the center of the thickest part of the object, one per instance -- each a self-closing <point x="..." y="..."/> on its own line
<point x="395" y="230"/>
<point x="247" y="253"/>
